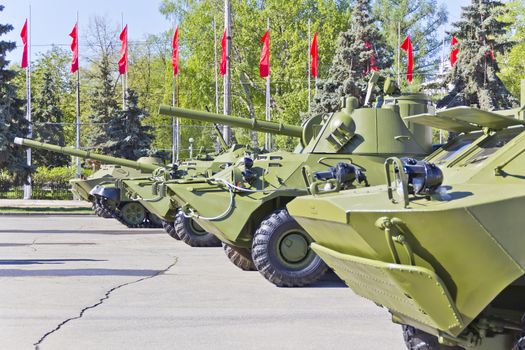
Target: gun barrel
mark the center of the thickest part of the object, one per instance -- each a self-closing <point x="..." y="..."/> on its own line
<point x="85" y="154"/>
<point x="252" y="124"/>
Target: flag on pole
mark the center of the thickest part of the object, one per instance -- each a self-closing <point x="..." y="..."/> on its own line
<point x="373" y="67"/>
<point x="175" y="52"/>
<point x="264" y="62"/>
<point x="23" y="35"/>
<point x="454" y="52"/>
<point x="314" y="52"/>
<point x="224" y="56"/>
<point x="407" y="46"/>
<point x="123" y="60"/>
<point x="74" y="48"/>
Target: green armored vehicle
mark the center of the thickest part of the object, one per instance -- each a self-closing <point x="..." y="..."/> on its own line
<point x="151" y="193"/>
<point x="442" y="245"/>
<point x="132" y="214"/>
<point x="107" y="173"/>
<point x="244" y="205"/>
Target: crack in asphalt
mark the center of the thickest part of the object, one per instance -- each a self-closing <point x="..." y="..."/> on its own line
<point x="100" y="302"/>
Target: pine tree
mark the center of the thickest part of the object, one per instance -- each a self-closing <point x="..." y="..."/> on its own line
<point x="46" y="118"/>
<point x="103" y="104"/>
<point x="481" y="35"/>
<point x="12" y="121"/>
<point x="127" y="137"/>
<point x="360" y="49"/>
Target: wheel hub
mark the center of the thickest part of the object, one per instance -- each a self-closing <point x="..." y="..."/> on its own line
<point x="133" y="213"/>
<point x="294" y="247"/>
<point x="196" y="228"/>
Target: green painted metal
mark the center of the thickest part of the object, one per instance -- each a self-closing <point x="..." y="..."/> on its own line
<point x="451" y="264"/>
<point x="144" y="166"/>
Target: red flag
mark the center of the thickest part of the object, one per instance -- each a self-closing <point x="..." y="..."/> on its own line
<point x="314" y="52"/>
<point x="407" y="46"/>
<point x="123" y="61"/>
<point x="175" y="52"/>
<point x="454" y="52"/>
<point x="373" y="67"/>
<point x="74" y="48"/>
<point x="264" y="62"/>
<point x="224" y="57"/>
<point x="23" y="35"/>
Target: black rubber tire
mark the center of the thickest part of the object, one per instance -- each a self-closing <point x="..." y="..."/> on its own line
<point x="416" y="339"/>
<point x="520" y="344"/>
<point x="185" y="229"/>
<point x="240" y="257"/>
<point x="170" y="229"/>
<point x="266" y="256"/>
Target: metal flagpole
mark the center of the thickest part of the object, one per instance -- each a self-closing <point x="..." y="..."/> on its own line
<point x="309" y="67"/>
<point x="226" y="130"/>
<point x="27" y="187"/>
<point x="124" y="75"/>
<point x="269" y="140"/>
<point x="217" y="144"/>
<point x="79" y="172"/>
<point x="175" y="122"/>
<point x="398" y="54"/>
<point x="216" y="71"/>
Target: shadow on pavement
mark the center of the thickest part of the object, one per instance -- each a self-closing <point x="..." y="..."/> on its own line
<point x="102" y="232"/>
<point x="35" y="244"/>
<point x="329" y="280"/>
<point x="77" y="272"/>
<point x="41" y="261"/>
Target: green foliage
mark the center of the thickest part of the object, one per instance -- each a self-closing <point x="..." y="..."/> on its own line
<point x="482" y="35"/>
<point x="356" y="47"/>
<point x="289" y="57"/>
<point x="12" y="122"/>
<point x="513" y="62"/>
<point x="421" y="19"/>
<point x="46" y="116"/>
<point x="126" y="136"/>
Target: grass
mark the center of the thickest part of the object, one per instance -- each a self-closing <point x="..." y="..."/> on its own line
<point x="45" y="210"/>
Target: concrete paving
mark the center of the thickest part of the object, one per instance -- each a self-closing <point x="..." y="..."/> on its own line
<point x="82" y="282"/>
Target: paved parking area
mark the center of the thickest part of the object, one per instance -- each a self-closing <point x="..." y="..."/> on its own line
<point x="82" y="282"/>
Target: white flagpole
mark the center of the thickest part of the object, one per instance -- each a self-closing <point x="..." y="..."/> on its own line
<point x="175" y="122"/>
<point x="226" y="130"/>
<point x="399" y="54"/>
<point x="268" y="142"/>
<point x="216" y="71"/>
<point x="27" y="188"/>
<point x="79" y="172"/>
<point x="123" y="76"/>
<point x="309" y="67"/>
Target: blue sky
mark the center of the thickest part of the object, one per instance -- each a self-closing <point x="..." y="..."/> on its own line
<point x="52" y="20"/>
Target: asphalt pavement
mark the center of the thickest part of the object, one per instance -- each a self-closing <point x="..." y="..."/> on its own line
<point x="82" y="282"/>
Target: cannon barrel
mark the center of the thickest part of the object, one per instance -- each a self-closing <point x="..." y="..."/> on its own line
<point x="85" y="154"/>
<point x="252" y="124"/>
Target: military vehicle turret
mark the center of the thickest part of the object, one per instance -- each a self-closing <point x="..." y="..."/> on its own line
<point x="441" y="245"/>
<point x="244" y="205"/>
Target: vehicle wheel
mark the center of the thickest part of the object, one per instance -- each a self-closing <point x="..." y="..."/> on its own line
<point x="170" y="229"/>
<point x="101" y="211"/>
<point x="282" y="254"/>
<point x="154" y="220"/>
<point x="520" y="345"/>
<point x="133" y="214"/>
<point x="192" y="234"/>
<point x="416" y="339"/>
<point x="240" y="257"/>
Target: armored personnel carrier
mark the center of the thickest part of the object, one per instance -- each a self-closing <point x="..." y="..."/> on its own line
<point x="244" y="205"/>
<point x="441" y="245"/>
